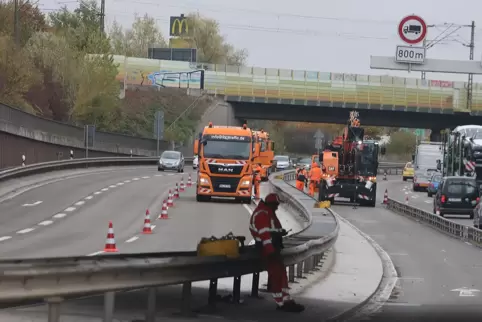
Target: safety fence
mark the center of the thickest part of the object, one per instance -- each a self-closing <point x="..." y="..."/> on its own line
<point x="53" y="279"/>
<point x="463" y="232"/>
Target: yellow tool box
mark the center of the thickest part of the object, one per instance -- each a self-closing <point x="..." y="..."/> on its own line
<point x="229" y="246"/>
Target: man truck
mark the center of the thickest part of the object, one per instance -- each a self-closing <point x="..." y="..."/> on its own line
<point x="226" y="155"/>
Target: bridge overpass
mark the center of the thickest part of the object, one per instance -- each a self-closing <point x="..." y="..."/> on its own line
<point x="298" y="95"/>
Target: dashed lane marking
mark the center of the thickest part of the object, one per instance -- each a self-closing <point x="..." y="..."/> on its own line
<point x="112" y="186"/>
<point x="428" y="201"/>
<point x="104" y="189"/>
<point x="79" y="203"/>
<point x="36" y="203"/>
<point x="96" y="253"/>
<point x="5" y="238"/>
<point x="135" y="179"/>
<point x="58" y="216"/>
<point x="132" y="239"/>
<point x="70" y="209"/>
<point x="146" y="177"/>
<point x="97" y="192"/>
<point x="45" y="223"/>
<point x="120" y="184"/>
<point x="26" y="230"/>
<point x="88" y="197"/>
<point x="127" y="181"/>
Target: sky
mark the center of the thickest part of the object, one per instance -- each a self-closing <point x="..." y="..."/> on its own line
<point x="326" y="36"/>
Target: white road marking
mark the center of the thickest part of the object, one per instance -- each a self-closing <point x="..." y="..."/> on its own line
<point x="120" y="183"/>
<point x="79" y="203"/>
<point x="398" y="254"/>
<point x="171" y="174"/>
<point x="465" y="291"/>
<point x="89" y="197"/>
<point x="32" y="204"/>
<point x="414" y="197"/>
<point x="45" y="223"/>
<point x="135" y="179"/>
<point x="58" y="216"/>
<point x="70" y="209"/>
<point x="127" y="181"/>
<point x="146" y="177"/>
<point x="112" y="186"/>
<point x="428" y="201"/>
<point x="96" y="253"/>
<point x="468" y="243"/>
<point x="105" y="189"/>
<point x="97" y="192"/>
<point x="159" y="175"/>
<point x="132" y="239"/>
<point x="153" y="226"/>
<point x="26" y="230"/>
<point x="5" y="238"/>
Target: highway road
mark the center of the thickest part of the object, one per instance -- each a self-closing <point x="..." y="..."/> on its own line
<point x="400" y="190"/>
<point x="430" y="265"/>
<point x="70" y="217"/>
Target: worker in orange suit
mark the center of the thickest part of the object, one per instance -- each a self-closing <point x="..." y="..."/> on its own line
<point x="301" y="178"/>
<point x="257" y="180"/>
<point x="315" y="177"/>
<point x="268" y="234"/>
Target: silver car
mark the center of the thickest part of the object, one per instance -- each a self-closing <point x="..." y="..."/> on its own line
<point x="171" y="160"/>
<point x="283" y="162"/>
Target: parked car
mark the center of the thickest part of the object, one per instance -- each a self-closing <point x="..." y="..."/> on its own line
<point x="195" y="162"/>
<point x="283" y="162"/>
<point x="171" y="160"/>
<point x="433" y="185"/>
<point x="408" y="171"/>
<point x="456" y="196"/>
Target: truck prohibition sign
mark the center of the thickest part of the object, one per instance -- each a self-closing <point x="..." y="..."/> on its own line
<point x="410" y="54"/>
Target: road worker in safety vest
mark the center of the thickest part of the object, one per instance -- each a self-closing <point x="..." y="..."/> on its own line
<point x="257" y="180"/>
<point x="315" y="177"/>
<point x="268" y="233"/>
<point x="301" y="178"/>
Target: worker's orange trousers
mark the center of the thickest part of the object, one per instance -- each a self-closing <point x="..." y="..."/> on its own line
<point x="313" y="186"/>
<point x="300" y="185"/>
<point x="278" y="280"/>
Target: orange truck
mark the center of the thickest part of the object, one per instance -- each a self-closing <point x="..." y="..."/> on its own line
<point x="226" y="156"/>
<point x="266" y="153"/>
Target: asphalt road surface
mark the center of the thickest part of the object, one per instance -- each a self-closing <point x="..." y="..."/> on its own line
<point x="70" y="217"/>
<point x="431" y="266"/>
<point x="400" y="190"/>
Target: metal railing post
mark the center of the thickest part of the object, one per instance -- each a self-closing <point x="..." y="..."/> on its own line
<point x="255" y="285"/>
<point x="299" y="270"/>
<point x="213" y="292"/>
<point x="54" y="308"/>
<point x="291" y="273"/>
<point x="186" y="298"/>
<point x="237" y="289"/>
<point x="109" y="303"/>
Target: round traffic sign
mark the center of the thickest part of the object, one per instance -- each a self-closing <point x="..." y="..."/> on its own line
<point x="412" y="29"/>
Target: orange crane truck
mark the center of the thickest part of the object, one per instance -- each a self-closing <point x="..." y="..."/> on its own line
<point x="350" y="166"/>
<point x="226" y="156"/>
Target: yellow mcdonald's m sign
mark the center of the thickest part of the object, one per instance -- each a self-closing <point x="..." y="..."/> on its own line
<point x="179" y="26"/>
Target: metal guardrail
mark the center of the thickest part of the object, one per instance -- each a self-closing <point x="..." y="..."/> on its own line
<point x="466" y="233"/>
<point x="78" y="163"/>
<point x="54" y="278"/>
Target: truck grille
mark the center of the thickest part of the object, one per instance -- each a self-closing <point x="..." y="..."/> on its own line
<point x="225" y="169"/>
<point x="222" y="184"/>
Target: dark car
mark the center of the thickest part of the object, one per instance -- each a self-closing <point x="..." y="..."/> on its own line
<point x="433" y="184"/>
<point x="171" y="160"/>
<point x="456" y="196"/>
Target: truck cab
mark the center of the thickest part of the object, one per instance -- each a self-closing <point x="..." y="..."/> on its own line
<point x="226" y="157"/>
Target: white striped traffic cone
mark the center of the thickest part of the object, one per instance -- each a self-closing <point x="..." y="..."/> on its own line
<point x="385" y="197"/>
<point x="110" y="246"/>
<point x="164" y="214"/>
<point x="189" y="181"/>
<point x="176" y="192"/>
<point x="170" y="201"/>
<point x="147" y="223"/>
<point x="181" y="186"/>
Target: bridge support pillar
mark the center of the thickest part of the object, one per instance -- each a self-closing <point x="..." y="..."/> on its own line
<point x="435" y="135"/>
<point x="54" y="308"/>
<point x="109" y="304"/>
<point x="151" y="304"/>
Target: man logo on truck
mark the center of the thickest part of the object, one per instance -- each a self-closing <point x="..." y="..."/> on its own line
<point x="225" y="169"/>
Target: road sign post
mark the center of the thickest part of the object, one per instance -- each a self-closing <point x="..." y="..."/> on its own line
<point x="158" y="128"/>
<point x="89" y="135"/>
<point x="319" y="136"/>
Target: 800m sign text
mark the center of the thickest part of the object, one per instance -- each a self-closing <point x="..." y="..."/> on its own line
<point x="410" y="54"/>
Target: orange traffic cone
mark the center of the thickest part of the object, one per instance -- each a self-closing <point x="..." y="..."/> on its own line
<point x="189" y="181"/>
<point x="176" y="192"/>
<point x="110" y="246"/>
<point x="385" y="197"/>
<point x="170" y="202"/>
<point x="147" y="223"/>
<point x="164" y="214"/>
